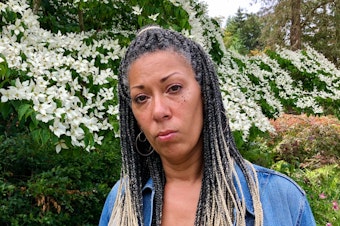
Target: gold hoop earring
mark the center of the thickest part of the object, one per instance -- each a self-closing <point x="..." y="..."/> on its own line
<point x="143" y="141"/>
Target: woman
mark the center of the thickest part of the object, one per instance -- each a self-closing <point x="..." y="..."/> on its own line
<point x="180" y="165"/>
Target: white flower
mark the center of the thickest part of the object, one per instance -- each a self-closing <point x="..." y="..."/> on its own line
<point x="92" y="124"/>
<point x="60" y="145"/>
<point x="106" y="94"/>
<point x="6" y="95"/>
<point x="153" y="17"/>
<point x="21" y="91"/>
<point x="58" y="128"/>
<point x="77" y="134"/>
<point x="17" y="28"/>
<point x="113" y="110"/>
<point x="137" y="10"/>
<point x="101" y="78"/>
<point x="112" y="55"/>
<point x="98" y="139"/>
<point x="74" y="117"/>
<point x="44" y="117"/>
<point x="45" y="111"/>
<point x="175" y="2"/>
<point x="62" y="76"/>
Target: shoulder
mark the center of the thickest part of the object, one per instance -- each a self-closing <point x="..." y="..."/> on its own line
<point x="283" y="201"/>
<point x="108" y="206"/>
<point x="117" y="190"/>
<point x="271" y="179"/>
<point x="276" y="189"/>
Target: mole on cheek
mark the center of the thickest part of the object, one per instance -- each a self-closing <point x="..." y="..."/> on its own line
<point x="183" y="99"/>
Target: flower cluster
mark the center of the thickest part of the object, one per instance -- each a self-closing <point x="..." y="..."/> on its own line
<point x="69" y="80"/>
<point x="67" y="91"/>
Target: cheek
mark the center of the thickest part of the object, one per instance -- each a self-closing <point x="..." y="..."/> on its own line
<point x="136" y="115"/>
<point x="183" y="101"/>
<point x="143" y="121"/>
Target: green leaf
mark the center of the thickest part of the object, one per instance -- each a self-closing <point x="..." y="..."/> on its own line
<point x="88" y="139"/>
<point x="4" y="72"/>
<point x="5" y="109"/>
<point x="29" y="112"/>
<point x="36" y="135"/>
<point x="34" y="123"/>
<point x="41" y="135"/>
<point x="140" y="21"/>
<point x="22" y="110"/>
<point x="45" y="135"/>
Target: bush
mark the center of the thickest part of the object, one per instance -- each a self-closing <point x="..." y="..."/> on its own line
<point x="40" y="187"/>
<point x="307" y="142"/>
<point x="322" y="186"/>
<point x="307" y="149"/>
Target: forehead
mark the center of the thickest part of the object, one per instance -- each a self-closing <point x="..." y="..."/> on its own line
<point x="156" y="54"/>
<point x="160" y="59"/>
<point x="158" y="63"/>
<point x="169" y="51"/>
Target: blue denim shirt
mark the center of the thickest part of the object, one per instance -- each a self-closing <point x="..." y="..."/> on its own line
<point x="283" y="201"/>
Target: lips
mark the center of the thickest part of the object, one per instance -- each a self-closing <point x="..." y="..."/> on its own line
<point x="166" y="135"/>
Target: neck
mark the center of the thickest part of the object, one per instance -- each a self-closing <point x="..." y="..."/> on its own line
<point x="190" y="170"/>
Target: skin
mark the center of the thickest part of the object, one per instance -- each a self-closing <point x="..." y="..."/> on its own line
<point x="167" y="104"/>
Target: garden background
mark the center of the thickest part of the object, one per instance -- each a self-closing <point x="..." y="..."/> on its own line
<point x="59" y="134"/>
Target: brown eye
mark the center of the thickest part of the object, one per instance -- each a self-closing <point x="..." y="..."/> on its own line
<point x="140" y="99"/>
<point x="174" y="88"/>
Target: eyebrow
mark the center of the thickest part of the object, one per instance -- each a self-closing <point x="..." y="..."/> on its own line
<point x="162" y="81"/>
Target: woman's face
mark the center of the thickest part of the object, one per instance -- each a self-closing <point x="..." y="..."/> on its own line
<point x="167" y="104"/>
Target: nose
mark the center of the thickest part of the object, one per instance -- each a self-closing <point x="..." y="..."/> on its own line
<point x="161" y="108"/>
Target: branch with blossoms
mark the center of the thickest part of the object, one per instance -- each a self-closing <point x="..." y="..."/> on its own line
<point x="58" y="80"/>
<point x="63" y="84"/>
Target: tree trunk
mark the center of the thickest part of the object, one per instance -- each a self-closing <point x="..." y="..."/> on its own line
<point x="81" y="20"/>
<point x="36" y="6"/>
<point x="295" y="30"/>
<point x="337" y="33"/>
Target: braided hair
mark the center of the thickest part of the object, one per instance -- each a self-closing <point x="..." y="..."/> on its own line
<point x="219" y="202"/>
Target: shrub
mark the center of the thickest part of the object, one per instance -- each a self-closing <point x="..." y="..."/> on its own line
<point x="322" y="186"/>
<point x="307" y="141"/>
<point x="40" y="187"/>
<point x="308" y="149"/>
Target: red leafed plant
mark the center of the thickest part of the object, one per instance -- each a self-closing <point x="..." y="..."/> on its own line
<point x="307" y="141"/>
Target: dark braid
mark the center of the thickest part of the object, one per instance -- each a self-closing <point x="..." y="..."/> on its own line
<point x="219" y="150"/>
